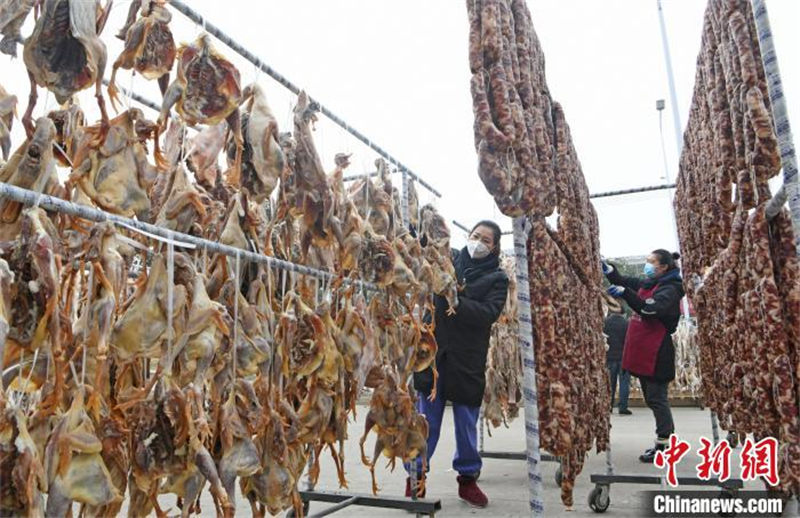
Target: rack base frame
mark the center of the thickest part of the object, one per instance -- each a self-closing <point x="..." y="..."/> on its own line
<point x="343" y="500"/>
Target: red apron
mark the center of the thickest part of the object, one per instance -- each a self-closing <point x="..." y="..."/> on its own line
<point x="642" y="341"/>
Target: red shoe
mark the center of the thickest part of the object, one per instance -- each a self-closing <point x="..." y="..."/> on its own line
<point x="469" y="492"/>
<point x="408" y="489"/>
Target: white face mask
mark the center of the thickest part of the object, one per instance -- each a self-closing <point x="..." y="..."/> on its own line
<point x="476" y="249"/>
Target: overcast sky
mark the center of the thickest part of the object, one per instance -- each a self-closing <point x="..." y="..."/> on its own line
<point x="398" y="72"/>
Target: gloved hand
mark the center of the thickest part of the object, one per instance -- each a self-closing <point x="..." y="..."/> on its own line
<point x="607" y="268"/>
<point x="615" y="291"/>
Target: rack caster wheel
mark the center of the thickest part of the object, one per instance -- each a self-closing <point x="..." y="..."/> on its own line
<point x="559" y="476"/>
<point x="291" y="514"/>
<point x="600" y="499"/>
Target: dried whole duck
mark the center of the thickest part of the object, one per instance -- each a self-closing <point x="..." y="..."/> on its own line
<point x="6" y="279"/>
<point x="263" y="159"/>
<point x="503" y="397"/>
<point x="206" y="91"/>
<point x="74" y="467"/>
<point x="68" y="121"/>
<point x="21" y="466"/>
<point x="31" y="167"/>
<point x="203" y="152"/>
<point x="12" y="15"/>
<point x="65" y="54"/>
<point x="114" y="172"/>
<point x="186" y="206"/>
<point x="8" y="105"/>
<point x="149" y="46"/>
<point x="401" y="431"/>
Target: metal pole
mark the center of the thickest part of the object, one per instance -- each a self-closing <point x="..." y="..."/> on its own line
<point x="353" y="500"/>
<point x="780" y="115"/>
<point x="676" y="119"/>
<point x="462" y="227"/>
<point x="714" y="427"/>
<point x="136" y="97"/>
<point x="252" y="58"/>
<point x="528" y="367"/>
<point x="633" y="191"/>
<point x="28" y="197"/>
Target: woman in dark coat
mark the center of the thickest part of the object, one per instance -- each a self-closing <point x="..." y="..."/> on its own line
<point x="649" y="353"/>
<point x="463" y="343"/>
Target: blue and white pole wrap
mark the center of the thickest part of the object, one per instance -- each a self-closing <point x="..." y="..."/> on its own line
<point x="529" y="390"/>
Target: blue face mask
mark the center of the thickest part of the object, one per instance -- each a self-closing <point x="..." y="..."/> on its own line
<point x="650" y="270"/>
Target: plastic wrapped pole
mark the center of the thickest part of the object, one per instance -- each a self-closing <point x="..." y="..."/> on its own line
<point x="529" y="391"/>
<point x="780" y="116"/>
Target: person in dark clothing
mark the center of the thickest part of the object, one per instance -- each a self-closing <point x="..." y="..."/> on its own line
<point x="649" y="353"/>
<point x="463" y="343"/>
<point x="615" y="327"/>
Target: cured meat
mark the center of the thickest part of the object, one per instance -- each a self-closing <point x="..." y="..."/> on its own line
<point x="149" y="46"/>
<point x="12" y="15"/>
<point x="206" y="91"/>
<point x="65" y="54"/>
<point x="503" y="397"/>
<point x="8" y="105"/>
<point x="528" y="163"/>
<point x="115" y="173"/>
<point x="741" y="270"/>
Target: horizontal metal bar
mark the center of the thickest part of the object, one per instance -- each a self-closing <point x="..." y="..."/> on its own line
<point x="353" y="500"/>
<point x="633" y="191"/>
<point x="136" y="97"/>
<point x="459" y="225"/>
<point x="28" y="197"/>
<point x="422" y="505"/>
<point x="354" y="177"/>
<point x="731" y="483"/>
<point x="509" y="455"/>
<point x="505" y="455"/>
<point x="252" y="58"/>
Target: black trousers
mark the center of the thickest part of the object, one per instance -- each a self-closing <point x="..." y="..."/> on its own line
<point x="657" y="399"/>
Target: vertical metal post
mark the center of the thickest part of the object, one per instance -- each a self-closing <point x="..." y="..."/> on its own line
<point x="780" y="115"/>
<point x="529" y="389"/>
<point x="609" y="461"/>
<point x="714" y="427"/>
<point x="676" y="119"/>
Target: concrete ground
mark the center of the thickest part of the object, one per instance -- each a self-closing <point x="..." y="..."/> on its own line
<point x="505" y="481"/>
